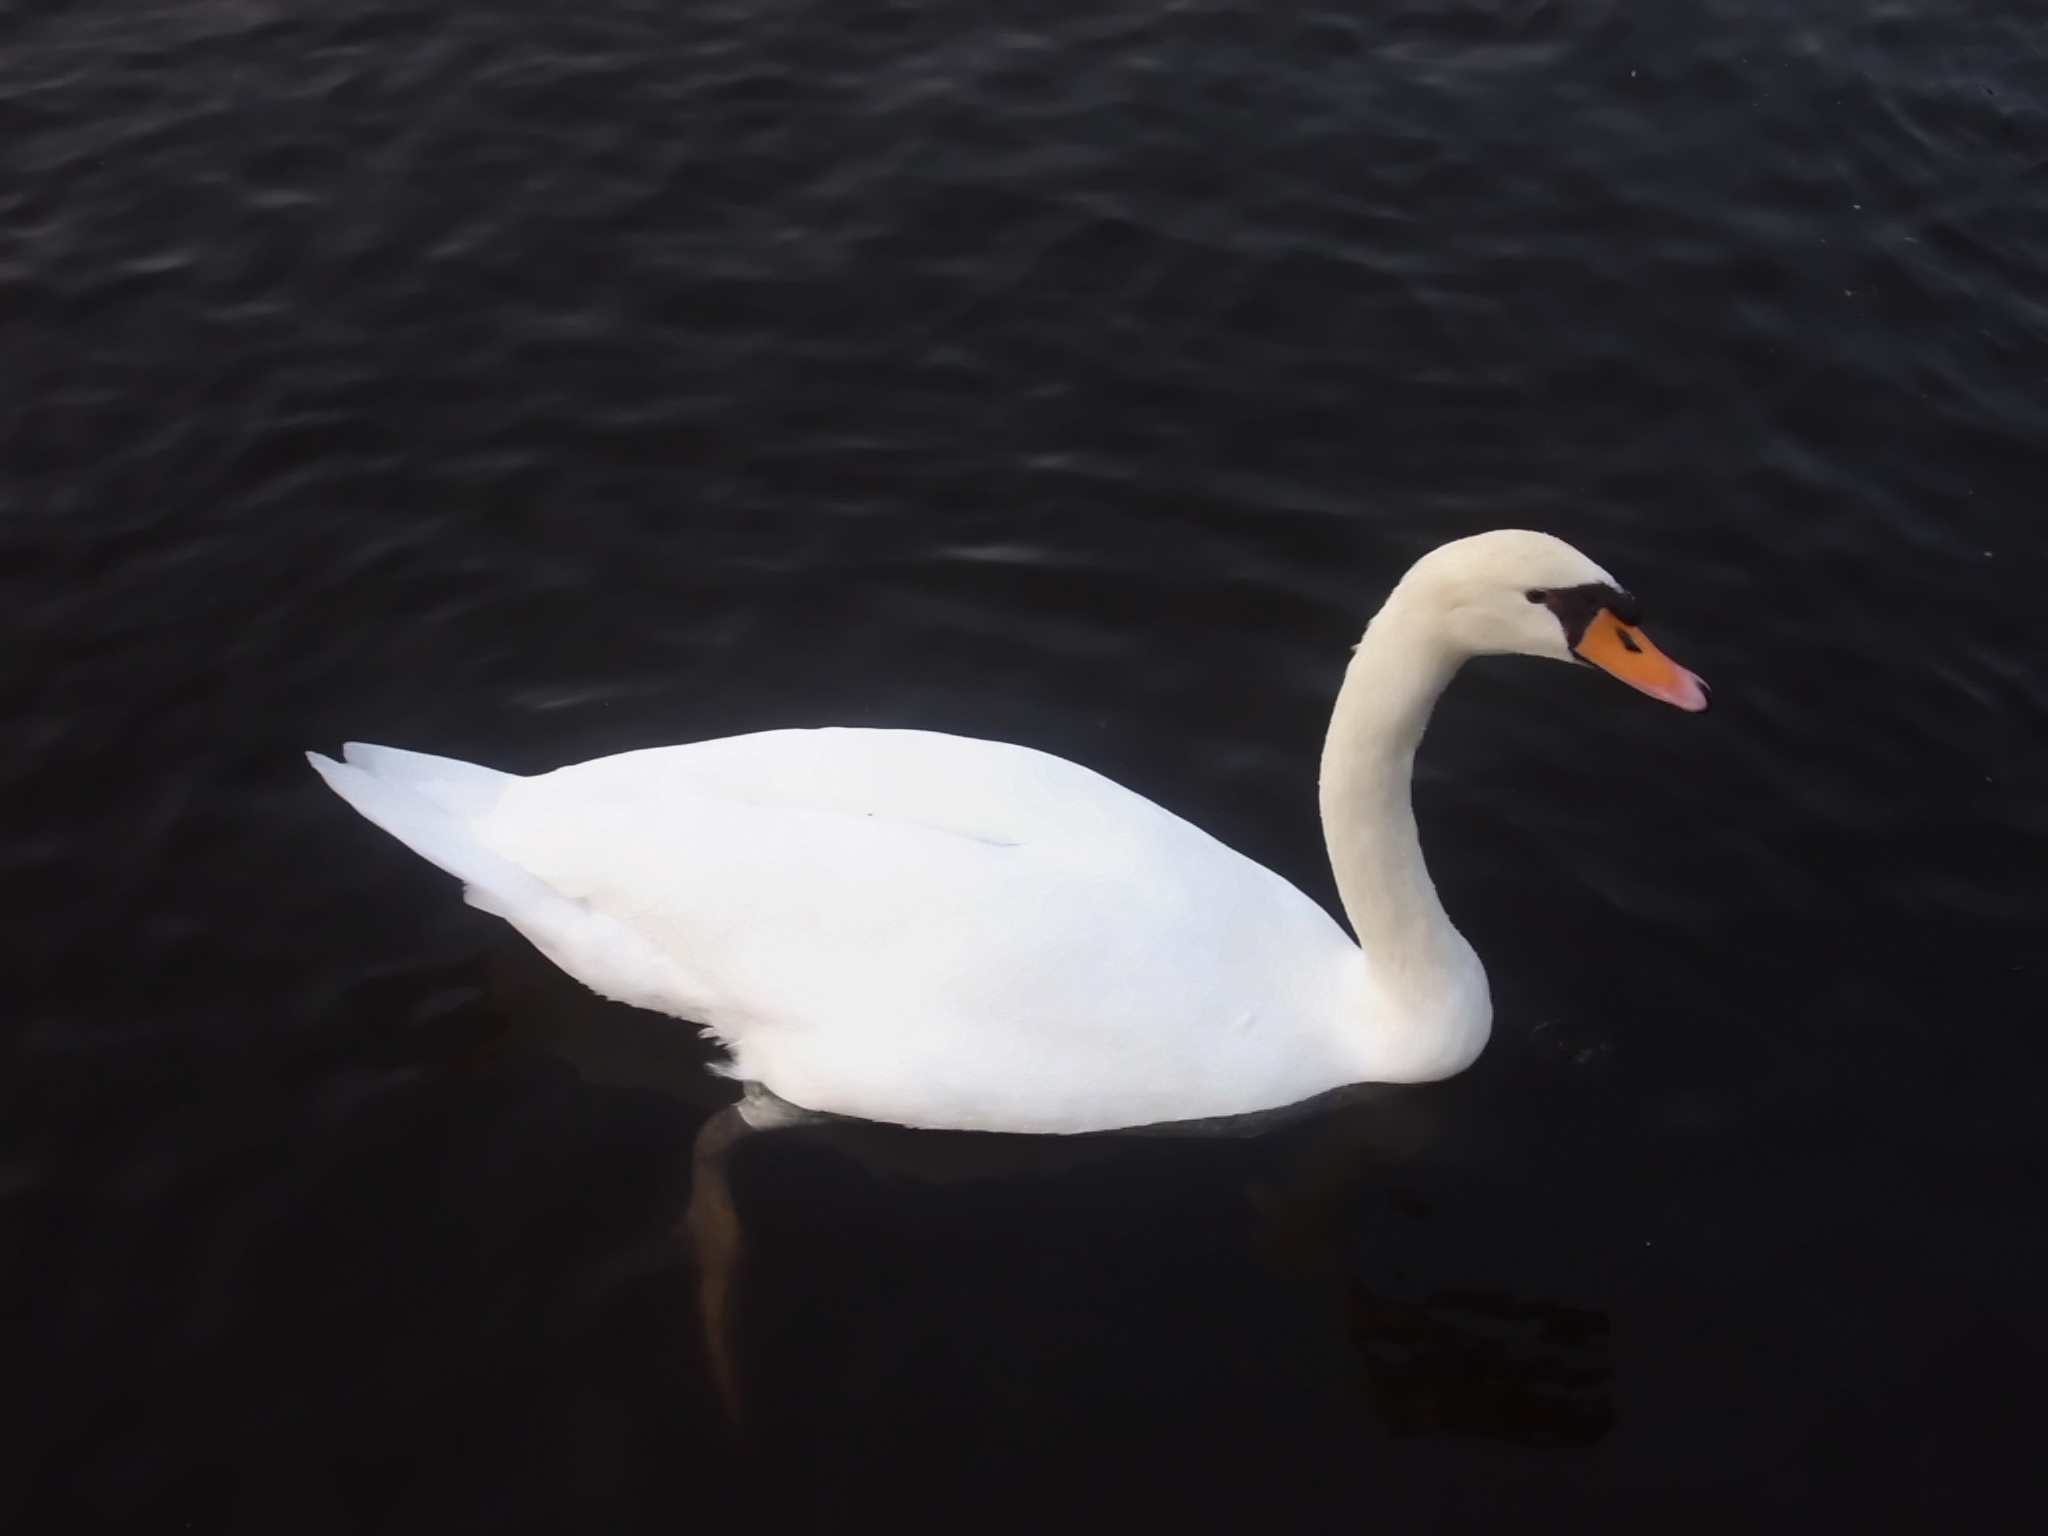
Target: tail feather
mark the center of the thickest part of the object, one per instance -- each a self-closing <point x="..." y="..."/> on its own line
<point x="419" y="816"/>
<point x="467" y="789"/>
<point x="430" y="803"/>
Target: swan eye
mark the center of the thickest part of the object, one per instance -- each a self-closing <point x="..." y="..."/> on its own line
<point x="1536" y="595"/>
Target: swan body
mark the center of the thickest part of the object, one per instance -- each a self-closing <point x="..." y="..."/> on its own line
<point x="946" y="932"/>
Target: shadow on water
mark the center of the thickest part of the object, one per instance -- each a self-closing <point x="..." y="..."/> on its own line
<point x="1427" y="1359"/>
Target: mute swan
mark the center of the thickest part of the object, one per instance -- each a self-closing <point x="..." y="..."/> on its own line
<point x="937" y="931"/>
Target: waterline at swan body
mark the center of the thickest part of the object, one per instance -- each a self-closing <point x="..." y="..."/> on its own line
<point x="945" y="932"/>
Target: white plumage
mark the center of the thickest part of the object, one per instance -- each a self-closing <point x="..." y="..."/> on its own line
<point x="938" y="931"/>
<point x="897" y="924"/>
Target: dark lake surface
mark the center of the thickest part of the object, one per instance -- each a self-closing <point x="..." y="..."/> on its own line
<point x="527" y="382"/>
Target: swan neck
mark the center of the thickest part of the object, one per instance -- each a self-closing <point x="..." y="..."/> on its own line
<point x="1418" y="963"/>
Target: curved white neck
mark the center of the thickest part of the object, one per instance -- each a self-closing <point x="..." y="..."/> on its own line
<point x="1427" y="993"/>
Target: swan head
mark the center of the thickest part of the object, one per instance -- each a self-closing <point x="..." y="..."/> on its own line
<point x="1512" y="592"/>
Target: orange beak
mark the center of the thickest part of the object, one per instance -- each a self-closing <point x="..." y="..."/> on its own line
<point x="1627" y="653"/>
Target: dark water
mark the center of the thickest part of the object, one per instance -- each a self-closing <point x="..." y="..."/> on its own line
<point x="528" y="382"/>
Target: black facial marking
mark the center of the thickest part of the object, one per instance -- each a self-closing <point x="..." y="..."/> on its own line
<point x="1576" y="606"/>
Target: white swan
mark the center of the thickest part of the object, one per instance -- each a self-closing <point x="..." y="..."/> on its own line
<point x="937" y="931"/>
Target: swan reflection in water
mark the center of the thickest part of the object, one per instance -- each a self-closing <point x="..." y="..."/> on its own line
<point x="1425" y="1359"/>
